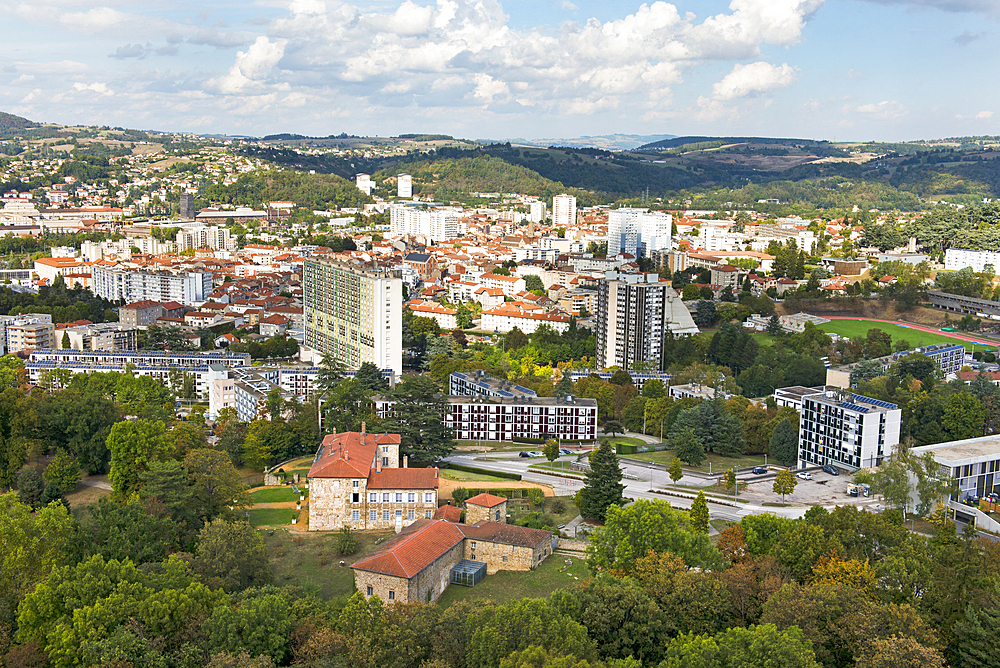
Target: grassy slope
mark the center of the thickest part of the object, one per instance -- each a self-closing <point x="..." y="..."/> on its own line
<point x="855" y="329"/>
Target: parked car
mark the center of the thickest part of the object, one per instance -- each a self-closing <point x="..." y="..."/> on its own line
<point x="536" y="453"/>
<point x="523" y="454"/>
<point x="565" y="451"/>
<point x="760" y="470"/>
<point x="832" y="470"/>
<point x="804" y="475"/>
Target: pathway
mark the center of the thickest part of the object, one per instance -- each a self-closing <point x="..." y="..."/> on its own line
<point x="100" y="484"/>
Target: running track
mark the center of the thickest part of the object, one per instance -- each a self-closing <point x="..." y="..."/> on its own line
<point x="919" y="328"/>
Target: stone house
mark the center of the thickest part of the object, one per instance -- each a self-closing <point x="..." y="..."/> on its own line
<point x="486" y="508"/>
<point x="419" y="563"/>
<point x="356" y="481"/>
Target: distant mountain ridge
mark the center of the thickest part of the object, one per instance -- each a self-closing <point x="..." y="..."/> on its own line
<point x="12" y="122"/>
<point x="613" y="142"/>
<point x="675" y="141"/>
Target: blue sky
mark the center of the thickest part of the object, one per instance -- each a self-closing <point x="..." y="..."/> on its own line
<point x="824" y="69"/>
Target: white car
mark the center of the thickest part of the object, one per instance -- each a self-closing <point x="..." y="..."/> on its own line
<point x="805" y="475"/>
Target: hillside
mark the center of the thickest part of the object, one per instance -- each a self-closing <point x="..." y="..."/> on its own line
<point x="10" y="122"/>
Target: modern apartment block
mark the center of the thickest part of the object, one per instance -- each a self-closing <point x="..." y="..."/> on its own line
<point x="215" y="238"/>
<point x="354" y="313"/>
<point x="100" y="336"/>
<point x="563" y="210"/>
<point x="29" y="331"/>
<point x="435" y="224"/>
<point x="404" y="185"/>
<point x="480" y="384"/>
<point x="116" y="284"/>
<point x="960" y="258"/>
<point x="635" y="312"/>
<point x="846" y="430"/>
<point x="948" y="357"/>
<point x="638" y="232"/>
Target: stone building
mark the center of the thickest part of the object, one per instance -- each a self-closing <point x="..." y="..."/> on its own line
<point x="356" y="481"/>
<point x="419" y="563"/>
<point x="486" y="508"/>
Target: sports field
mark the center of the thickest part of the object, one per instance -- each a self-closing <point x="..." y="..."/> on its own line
<point x="854" y="329"/>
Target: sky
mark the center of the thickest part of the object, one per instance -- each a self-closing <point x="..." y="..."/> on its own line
<point x="841" y="70"/>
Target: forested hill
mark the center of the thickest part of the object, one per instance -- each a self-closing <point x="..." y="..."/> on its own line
<point x="11" y="122"/>
<point x="450" y="178"/>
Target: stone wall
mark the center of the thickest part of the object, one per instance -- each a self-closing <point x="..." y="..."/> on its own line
<point x="381" y="586"/>
<point x="431" y="582"/>
<point x="332" y="505"/>
<point x="504" y="557"/>
<point x="474" y="513"/>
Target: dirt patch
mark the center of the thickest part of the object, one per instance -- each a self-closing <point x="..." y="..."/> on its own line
<point x="863" y="308"/>
<point x="85" y="495"/>
<point x="447" y="486"/>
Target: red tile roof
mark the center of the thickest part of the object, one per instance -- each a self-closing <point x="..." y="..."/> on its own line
<point x="448" y="513"/>
<point x="486" y="500"/>
<point x="508" y="534"/>
<point x="415" y="548"/>
<point x="347" y="455"/>
<point x="403" y="479"/>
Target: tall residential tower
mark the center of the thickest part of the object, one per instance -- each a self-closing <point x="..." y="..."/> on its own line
<point x="638" y="232"/>
<point x="563" y="210"/>
<point x="354" y="313"/>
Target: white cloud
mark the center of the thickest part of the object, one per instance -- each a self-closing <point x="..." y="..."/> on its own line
<point x="566" y="4"/>
<point x="885" y="110"/>
<point x="251" y="66"/>
<point x="488" y="88"/>
<point x="98" y="87"/>
<point x="751" y="79"/>
<point x="985" y="115"/>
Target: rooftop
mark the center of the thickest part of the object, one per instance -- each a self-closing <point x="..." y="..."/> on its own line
<point x="968" y="451"/>
<point x="486" y="500"/>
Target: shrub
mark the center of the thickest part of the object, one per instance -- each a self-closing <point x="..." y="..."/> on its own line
<point x="558" y="507"/>
<point x="460" y="494"/>
<point x="536" y="496"/>
<point x="346" y="543"/>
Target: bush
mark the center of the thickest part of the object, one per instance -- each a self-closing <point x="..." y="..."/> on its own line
<point x="346" y="543"/>
<point x="989" y="358"/>
<point x="473" y="469"/>
<point x="558" y="507"/>
<point x="536" y="497"/>
<point x="460" y="494"/>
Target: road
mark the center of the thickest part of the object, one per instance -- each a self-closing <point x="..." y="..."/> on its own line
<point x="638" y="488"/>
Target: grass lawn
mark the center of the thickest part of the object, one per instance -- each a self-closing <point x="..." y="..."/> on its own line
<point x="626" y="440"/>
<point x="274" y="495"/>
<point x="300" y="466"/>
<point x="313" y="562"/>
<point x="763" y="338"/>
<point x="506" y="586"/>
<point x="855" y="329"/>
<point x="85" y="495"/>
<point x="467" y="476"/>
<point x="717" y="462"/>
<point x="272" y="516"/>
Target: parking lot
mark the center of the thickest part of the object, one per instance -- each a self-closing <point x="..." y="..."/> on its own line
<point x="823" y="489"/>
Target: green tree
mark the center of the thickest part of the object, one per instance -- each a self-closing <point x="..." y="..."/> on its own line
<point x="602" y="488"/>
<point x="127" y="531"/>
<point x="731" y="480"/>
<point x="564" y="386"/>
<point x="516" y="339"/>
<point x="463" y="317"/>
<point x="653" y="389"/>
<point x="648" y="526"/>
<point x="675" y="470"/>
<point x="774" y="326"/>
<point x="30" y="487"/>
<point x="63" y="471"/>
<point x="416" y="417"/>
<point x="346" y="542"/>
<point x="65" y="344"/>
<point x="231" y="555"/>
<point x="699" y="513"/>
<point x="533" y="282"/>
<point x="613" y="427"/>
<point x="761" y="646"/>
<point x="216" y="485"/>
<point x="963" y="416"/>
<point x="686" y="446"/>
<point x="977" y="635"/>
<point x="259" y="625"/>
<point x="133" y="444"/>
<point x="551" y="449"/>
<point x="784" y="443"/>
<point x="784" y="483"/>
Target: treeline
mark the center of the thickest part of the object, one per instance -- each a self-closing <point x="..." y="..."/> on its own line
<point x="972" y="227"/>
<point x="312" y="191"/>
<point x="64" y="304"/>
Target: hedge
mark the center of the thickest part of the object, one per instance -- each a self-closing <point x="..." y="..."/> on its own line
<point x="475" y="469"/>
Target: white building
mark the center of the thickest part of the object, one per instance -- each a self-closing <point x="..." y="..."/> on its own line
<point x="114" y="284"/>
<point x="365" y="183"/>
<point x="404" y="186"/>
<point x="563" y="210"/>
<point x="846" y="430"/>
<point x="638" y="232"/>
<point x="354" y="313"/>
<point x="635" y="315"/>
<point x="444" y="316"/>
<point x="959" y="258"/>
<point x="214" y="238"/>
<point x="435" y="224"/>
<point x="505" y="317"/>
<point x="536" y="211"/>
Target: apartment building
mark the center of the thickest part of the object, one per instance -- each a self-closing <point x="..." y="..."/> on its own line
<point x="949" y="359"/>
<point x="638" y="232"/>
<point x="527" y="318"/>
<point x="30" y="336"/>
<point x="404" y="186"/>
<point x="354" y="313"/>
<point x="960" y="258"/>
<point x="563" y="210"/>
<point x="635" y="314"/>
<point x="846" y="430"/>
<point x="141" y="314"/>
<point x="480" y="384"/>
<point x="119" y="284"/>
<point x="214" y="238"/>
<point x="108" y="336"/>
<point x="444" y="316"/>
<point x="435" y="224"/>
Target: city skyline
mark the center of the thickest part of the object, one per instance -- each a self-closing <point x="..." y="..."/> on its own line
<point x="824" y="69"/>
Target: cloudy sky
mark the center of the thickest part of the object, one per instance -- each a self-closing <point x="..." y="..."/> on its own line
<point x="825" y="69"/>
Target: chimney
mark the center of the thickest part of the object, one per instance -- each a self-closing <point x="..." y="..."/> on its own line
<point x="378" y="463"/>
<point x="347" y="455"/>
<point x="435" y="474"/>
<point x="406" y="460"/>
<point x="364" y="430"/>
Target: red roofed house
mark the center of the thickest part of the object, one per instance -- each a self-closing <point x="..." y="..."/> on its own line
<point x="356" y="481"/>
<point x="486" y="507"/>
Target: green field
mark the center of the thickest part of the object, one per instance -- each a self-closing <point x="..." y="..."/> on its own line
<point x="857" y="329"/>
<point x="274" y="495"/>
<point x="712" y="464"/>
<point x="506" y="586"/>
<point x="466" y="476"/>
<point x="270" y="517"/>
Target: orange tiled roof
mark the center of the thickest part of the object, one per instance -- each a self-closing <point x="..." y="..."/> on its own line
<point x="486" y="500"/>
<point x="415" y="548"/>
<point x="347" y="455"/>
<point x="396" y="478"/>
<point x="449" y="513"/>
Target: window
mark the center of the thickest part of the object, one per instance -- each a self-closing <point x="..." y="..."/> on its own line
<point x="399" y="497"/>
<point x="473" y="556"/>
<point x="369" y="590"/>
<point x="399" y="513"/>
<point x="355" y="498"/>
<point x="473" y="545"/>
<point x="385" y="497"/>
<point x="411" y="497"/>
<point x="428" y="497"/>
<point x="373" y="497"/>
<point x="354" y="483"/>
<point x="427" y="514"/>
<point x="385" y="515"/>
<point x="392" y="595"/>
<point x="373" y="516"/>
<point x="355" y="515"/>
<point x="385" y="448"/>
<point x="410" y="514"/>
<point x="504" y="561"/>
<point x="385" y="461"/>
<point x="498" y="516"/>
